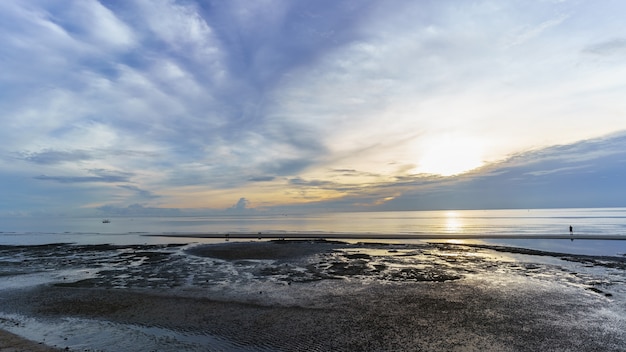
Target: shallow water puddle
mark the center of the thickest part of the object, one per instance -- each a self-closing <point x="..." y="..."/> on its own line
<point x="45" y="277"/>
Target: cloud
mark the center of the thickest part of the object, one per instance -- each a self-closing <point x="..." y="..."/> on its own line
<point x="94" y="23"/>
<point x="101" y="175"/>
<point x="242" y="203"/>
<point x="241" y="207"/>
<point x="48" y="157"/>
<point x="530" y="32"/>
<point x="610" y="47"/>
<point x="559" y="170"/>
<point x="137" y="210"/>
<point x="82" y="179"/>
<point x="142" y="193"/>
<point x="311" y="183"/>
<point x="583" y="174"/>
<point x="262" y="178"/>
<point x="181" y="27"/>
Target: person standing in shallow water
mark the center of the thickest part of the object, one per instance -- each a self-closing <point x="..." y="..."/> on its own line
<point x="571" y="230"/>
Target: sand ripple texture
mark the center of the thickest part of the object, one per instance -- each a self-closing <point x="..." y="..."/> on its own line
<point x="312" y="295"/>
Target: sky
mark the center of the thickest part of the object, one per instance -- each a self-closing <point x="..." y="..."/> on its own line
<point x="181" y="106"/>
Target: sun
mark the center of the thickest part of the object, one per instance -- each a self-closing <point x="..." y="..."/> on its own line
<point x="450" y="155"/>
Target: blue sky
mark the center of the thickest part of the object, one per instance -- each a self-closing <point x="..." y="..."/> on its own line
<point x="163" y="106"/>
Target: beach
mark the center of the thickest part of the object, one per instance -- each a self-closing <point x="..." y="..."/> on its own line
<point x="303" y="295"/>
<point x="13" y="343"/>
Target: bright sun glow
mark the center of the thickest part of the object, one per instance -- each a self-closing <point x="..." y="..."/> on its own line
<point x="453" y="223"/>
<point x="448" y="156"/>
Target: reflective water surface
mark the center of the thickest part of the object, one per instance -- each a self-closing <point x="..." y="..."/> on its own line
<point x="517" y="222"/>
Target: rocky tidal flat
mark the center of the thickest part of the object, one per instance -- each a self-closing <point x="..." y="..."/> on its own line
<point x="312" y="295"/>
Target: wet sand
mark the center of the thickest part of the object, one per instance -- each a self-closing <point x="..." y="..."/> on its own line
<point x="333" y="296"/>
<point x="13" y="343"/>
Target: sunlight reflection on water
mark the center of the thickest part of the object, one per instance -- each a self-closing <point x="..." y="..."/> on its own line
<point x="453" y="223"/>
<point x="526" y="222"/>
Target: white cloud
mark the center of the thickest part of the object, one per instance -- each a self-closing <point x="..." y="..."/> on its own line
<point x="531" y="31"/>
<point x="184" y="30"/>
<point x="100" y="25"/>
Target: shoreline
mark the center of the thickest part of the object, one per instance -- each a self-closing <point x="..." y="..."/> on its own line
<point x="596" y="245"/>
<point x="380" y="236"/>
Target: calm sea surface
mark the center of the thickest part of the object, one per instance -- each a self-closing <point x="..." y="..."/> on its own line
<point x="129" y="230"/>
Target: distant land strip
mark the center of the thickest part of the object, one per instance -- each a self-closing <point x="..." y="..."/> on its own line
<point x="382" y="236"/>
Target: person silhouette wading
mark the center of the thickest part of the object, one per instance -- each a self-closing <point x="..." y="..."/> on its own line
<point x="571" y="232"/>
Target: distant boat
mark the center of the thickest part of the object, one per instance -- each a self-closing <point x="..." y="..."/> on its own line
<point x="106" y="221"/>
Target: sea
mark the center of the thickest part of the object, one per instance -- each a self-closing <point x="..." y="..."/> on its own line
<point x="465" y="225"/>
